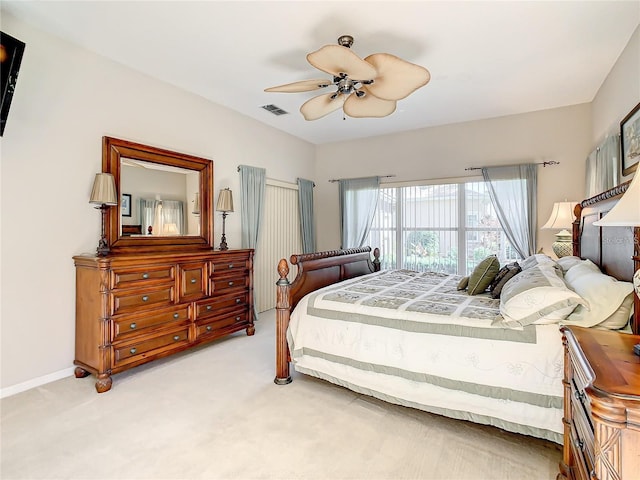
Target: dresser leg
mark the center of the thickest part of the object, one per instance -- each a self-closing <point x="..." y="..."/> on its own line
<point x="251" y="330"/>
<point x="81" y="372"/>
<point x="103" y="384"/>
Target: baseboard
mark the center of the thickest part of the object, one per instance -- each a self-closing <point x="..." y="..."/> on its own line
<point x="36" y="382"/>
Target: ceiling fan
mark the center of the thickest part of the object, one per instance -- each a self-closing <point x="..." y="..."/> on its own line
<point x="364" y="88"/>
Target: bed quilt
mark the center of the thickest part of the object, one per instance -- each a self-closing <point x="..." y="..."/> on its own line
<point x="412" y="338"/>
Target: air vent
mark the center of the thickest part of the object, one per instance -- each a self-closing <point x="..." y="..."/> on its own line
<point x="274" y="109"/>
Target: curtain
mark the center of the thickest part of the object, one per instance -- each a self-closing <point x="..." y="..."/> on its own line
<point x="166" y="217"/>
<point x="252" y="182"/>
<point x="358" y="203"/>
<point x="603" y="167"/>
<point x="172" y="217"/>
<point x="305" y="204"/>
<point x="147" y="214"/>
<point x="512" y="190"/>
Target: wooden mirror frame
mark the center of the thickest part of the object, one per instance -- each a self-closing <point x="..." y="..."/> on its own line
<point x="113" y="149"/>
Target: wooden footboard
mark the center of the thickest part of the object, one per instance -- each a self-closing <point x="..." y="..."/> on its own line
<point x="315" y="270"/>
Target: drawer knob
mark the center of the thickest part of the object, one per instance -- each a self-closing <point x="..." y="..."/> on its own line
<point x="193" y="280"/>
<point x="133" y="350"/>
<point x="231" y="265"/>
<point x="176" y="315"/>
<point x="133" y="326"/>
<point x="580" y="444"/>
<point x="238" y="300"/>
<point x="176" y="337"/>
<point x="145" y="298"/>
<point x="230" y="284"/>
<point x="579" y="396"/>
<point x="145" y="275"/>
<point x="209" y="307"/>
<point x="209" y="328"/>
<point x="237" y="319"/>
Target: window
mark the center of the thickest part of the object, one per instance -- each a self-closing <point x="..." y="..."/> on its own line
<point x="445" y="228"/>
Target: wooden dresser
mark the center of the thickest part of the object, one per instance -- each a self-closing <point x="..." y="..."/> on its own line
<point x="132" y="309"/>
<point x="601" y="406"/>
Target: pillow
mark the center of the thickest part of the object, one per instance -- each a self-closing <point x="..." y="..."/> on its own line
<point x="583" y="268"/>
<point x="620" y="317"/>
<point x="505" y="274"/>
<point x="464" y="281"/>
<point x="604" y="295"/>
<point x="567" y="262"/>
<point x="483" y="275"/>
<point x="537" y="295"/>
<point x="536" y="259"/>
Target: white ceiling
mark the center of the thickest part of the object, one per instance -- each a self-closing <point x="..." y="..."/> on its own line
<point x="486" y="59"/>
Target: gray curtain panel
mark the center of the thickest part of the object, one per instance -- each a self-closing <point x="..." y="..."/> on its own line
<point x="513" y="194"/>
<point x="305" y="203"/>
<point x="252" y="183"/>
<point x="358" y="203"/>
<point x="603" y="166"/>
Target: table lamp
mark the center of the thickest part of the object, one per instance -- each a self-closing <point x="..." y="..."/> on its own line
<point x="562" y="219"/>
<point x="103" y="194"/>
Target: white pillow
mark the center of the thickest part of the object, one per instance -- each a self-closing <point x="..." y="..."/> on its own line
<point x="620" y="318"/>
<point x="583" y="268"/>
<point x="604" y="295"/>
<point x="536" y="259"/>
<point x="537" y="295"/>
<point x="567" y="262"/>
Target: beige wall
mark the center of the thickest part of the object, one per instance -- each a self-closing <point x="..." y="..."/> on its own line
<point x="562" y="134"/>
<point x="619" y="93"/>
<point x="66" y="99"/>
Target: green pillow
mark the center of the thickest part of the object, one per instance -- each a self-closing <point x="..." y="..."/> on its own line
<point x="483" y="275"/>
<point x="464" y="281"/>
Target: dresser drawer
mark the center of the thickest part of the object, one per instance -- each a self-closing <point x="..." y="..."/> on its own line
<point x="193" y="282"/>
<point x="579" y="466"/>
<point x="135" y="351"/>
<point x="135" y="324"/>
<point x="131" y="300"/>
<point x="583" y="431"/>
<point x="231" y="263"/>
<point x="125" y="277"/>
<point x="222" y="285"/>
<point x="216" y="305"/>
<point x="211" y="327"/>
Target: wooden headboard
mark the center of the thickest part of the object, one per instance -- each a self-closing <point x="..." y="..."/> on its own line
<point x="616" y="250"/>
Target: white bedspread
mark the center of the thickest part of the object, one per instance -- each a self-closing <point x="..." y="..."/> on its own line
<point x="378" y="335"/>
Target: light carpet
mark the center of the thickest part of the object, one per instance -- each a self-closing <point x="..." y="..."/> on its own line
<point x="215" y="413"/>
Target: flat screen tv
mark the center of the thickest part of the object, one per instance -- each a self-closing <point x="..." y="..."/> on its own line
<point x="11" y="51"/>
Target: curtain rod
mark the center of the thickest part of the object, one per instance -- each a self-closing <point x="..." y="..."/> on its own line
<point x="544" y="164"/>
<point x="333" y="180"/>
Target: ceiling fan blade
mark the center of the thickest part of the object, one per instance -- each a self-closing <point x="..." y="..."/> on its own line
<point x="321" y="105"/>
<point x="368" y="106"/>
<point x="396" y="78"/>
<point x="336" y="59"/>
<point x="303" y="86"/>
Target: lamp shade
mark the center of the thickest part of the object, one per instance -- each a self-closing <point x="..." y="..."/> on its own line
<point x="625" y="213"/>
<point x="104" y="190"/>
<point x="561" y="216"/>
<point x="225" y="201"/>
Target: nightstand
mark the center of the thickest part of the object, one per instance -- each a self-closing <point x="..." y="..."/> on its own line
<point x="601" y="405"/>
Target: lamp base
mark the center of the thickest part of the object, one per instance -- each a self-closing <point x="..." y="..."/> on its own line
<point x="563" y="246"/>
<point x="223" y="243"/>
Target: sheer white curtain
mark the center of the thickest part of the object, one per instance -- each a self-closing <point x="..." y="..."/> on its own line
<point x="513" y="194"/>
<point x="166" y="217"/>
<point x="603" y="166"/>
<point x="358" y="203"/>
<point x="172" y="217"/>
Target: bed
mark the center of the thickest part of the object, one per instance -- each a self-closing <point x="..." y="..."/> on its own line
<point x="414" y="339"/>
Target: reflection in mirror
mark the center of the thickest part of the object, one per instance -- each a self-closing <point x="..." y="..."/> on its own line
<point x="164" y="199"/>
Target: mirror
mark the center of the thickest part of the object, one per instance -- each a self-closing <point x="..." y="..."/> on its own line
<point x="165" y="198"/>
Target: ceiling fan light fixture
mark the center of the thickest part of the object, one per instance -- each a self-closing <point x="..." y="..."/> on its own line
<point x="378" y="82"/>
